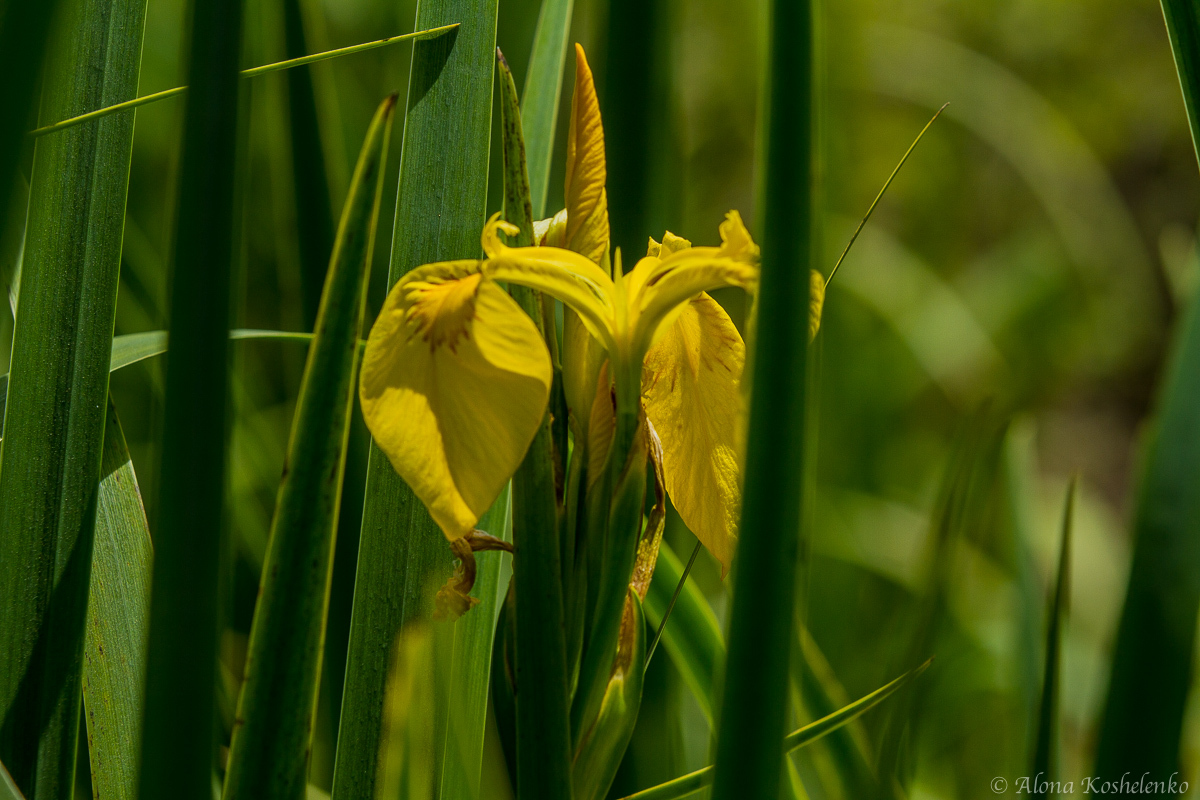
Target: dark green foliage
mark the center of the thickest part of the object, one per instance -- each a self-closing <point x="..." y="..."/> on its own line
<point x="178" y="737"/>
<point x="58" y="390"/>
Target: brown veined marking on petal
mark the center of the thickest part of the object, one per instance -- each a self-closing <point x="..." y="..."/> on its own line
<point x="439" y="312"/>
<point x="587" y="199"/>
<point x="690" y="390"/>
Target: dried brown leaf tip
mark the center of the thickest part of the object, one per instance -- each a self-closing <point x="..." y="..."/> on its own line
<point x="454" y="598"/>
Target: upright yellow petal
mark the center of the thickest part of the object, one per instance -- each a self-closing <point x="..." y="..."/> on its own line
<point x="454" y="384"/>
<point x="587" y="199"/>
<point x="690" y="392"/>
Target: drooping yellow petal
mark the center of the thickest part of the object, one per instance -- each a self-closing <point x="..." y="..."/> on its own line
<point x="690" y="392"/>
<point x="455" y="380"/>
<point x="587" y="199"/>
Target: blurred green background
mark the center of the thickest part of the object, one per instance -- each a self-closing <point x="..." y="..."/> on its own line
<point x="1026" y="267"/>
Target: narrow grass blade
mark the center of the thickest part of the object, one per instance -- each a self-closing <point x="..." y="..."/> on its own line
<point x="270" y="750"/>
<point x="1045" y="753"/>
<point x="658" y="630"/>
<point x="692" y="637"/>
<point x="253" y="72"/>
<point x="24" y="31"/>
<point x="440" y="210"/>
<point x="749" y="760"/>
<point x="314" y="209"/>
<point x="543" y="730"/>
<point x="8" y="789"/>
<point x="695" y="781"/>
<point x="114" y="665"/>
<point x="57" y="393"/>
<point x="543" y="88"/>
<point x="871" y="209"/>
<point x="177" y="741"/>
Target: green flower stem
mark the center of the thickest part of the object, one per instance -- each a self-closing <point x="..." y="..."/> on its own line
<point x="543" y="736"/>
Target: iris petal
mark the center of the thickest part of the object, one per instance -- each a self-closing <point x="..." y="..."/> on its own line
<point x="587" y="199"/>
<point x="454" y="385"/>
<point x="690" y="392"/>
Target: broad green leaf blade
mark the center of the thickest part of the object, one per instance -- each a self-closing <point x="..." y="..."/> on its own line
<point x="253" y="72"/>
<point x="440" y="210"/>
<point x="543" y="88"/>
<point x="692" y="637"/>
<point x="114" y="661"/>
<point x="695" y="781"/>
<point x="1152" y="660"/>
<point x="749" y="761"/>
<point x="270" y="750"/>
<point x="1045" y="752"/>
<point x="178" y="737"/>
<point x="24" y="31"/>
<point x="543" y="732"/>
<point x="57" y="395"/>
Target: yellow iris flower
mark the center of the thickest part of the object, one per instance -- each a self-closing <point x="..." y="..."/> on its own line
<point x="456" y="378"/>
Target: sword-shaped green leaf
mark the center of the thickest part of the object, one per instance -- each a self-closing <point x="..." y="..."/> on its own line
<point x="114" y="661"/>
<point x="58" y="391"/>
<point x="440" y="210"/>
<point x="272" y="735"/>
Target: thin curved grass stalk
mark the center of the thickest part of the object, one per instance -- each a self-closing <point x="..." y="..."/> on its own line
<point x="272" y="735"/>
<point x="252" y="72"/>
<point x="695" y="781"/>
